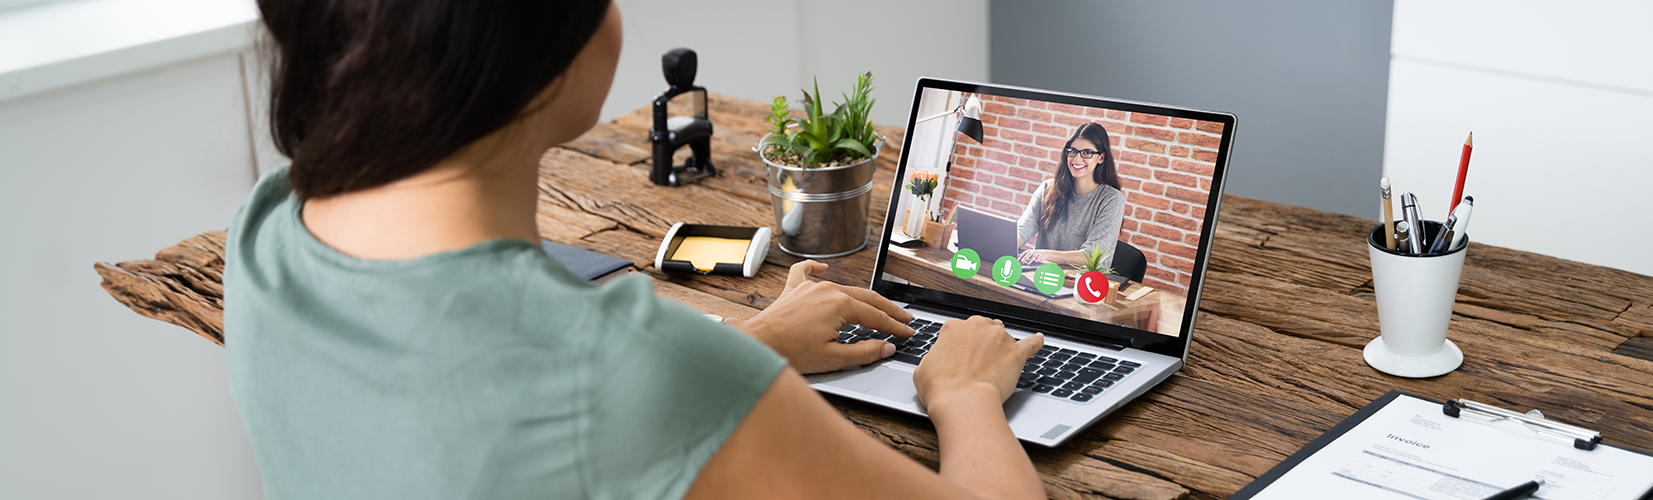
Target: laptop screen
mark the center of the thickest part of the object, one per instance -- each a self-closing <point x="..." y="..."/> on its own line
<point x="1073" y="211"/>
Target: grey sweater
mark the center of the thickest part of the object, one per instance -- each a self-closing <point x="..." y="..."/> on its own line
<point x="1093" y="219"/>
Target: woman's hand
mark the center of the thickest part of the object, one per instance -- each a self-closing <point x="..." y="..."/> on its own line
<point x="1070" y="257"/>
<point x="802" y="324"/>
<point x="1034" y="255"/>
<point x="973" y="356"/>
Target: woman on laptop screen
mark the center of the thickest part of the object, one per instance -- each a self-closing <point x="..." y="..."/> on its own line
<point x="1080" y="207"/>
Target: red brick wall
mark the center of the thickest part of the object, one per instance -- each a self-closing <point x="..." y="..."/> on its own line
<point x="1165" y="166"/>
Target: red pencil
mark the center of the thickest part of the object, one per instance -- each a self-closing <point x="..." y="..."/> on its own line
<point x="1463" y="171"/>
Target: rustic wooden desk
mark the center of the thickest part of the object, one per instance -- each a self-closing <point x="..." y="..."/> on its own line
<point x="1276" y="359"/>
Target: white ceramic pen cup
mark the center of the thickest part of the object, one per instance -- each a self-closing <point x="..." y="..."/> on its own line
<point x="1414" y="298"/>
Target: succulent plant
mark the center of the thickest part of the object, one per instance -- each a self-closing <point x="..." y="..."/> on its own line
<point x="1093" y="256"/>
<point x="821" y="138"/>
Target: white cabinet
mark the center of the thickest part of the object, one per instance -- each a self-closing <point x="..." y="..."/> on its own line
<point x="109" y="152"/>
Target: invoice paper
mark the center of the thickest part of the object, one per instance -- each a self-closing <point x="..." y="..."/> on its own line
<point x="1410" y="450"/>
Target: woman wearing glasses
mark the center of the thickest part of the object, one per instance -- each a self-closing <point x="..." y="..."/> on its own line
<point x="1081" y="207"/>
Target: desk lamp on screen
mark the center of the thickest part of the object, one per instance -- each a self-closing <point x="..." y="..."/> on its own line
<point x="969" y="113"/>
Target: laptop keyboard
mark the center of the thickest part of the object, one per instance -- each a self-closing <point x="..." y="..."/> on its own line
<point x="1056" y="372"/>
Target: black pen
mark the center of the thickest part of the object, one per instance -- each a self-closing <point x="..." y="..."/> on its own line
<point x="1450" y="229"/>
<point x="1520" y="491"/>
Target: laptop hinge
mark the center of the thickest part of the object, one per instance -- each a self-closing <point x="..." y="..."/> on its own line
<point x="1108" y="341"/>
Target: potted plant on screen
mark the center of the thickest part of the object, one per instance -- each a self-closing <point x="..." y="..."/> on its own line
<point x="1092" y="257"/>
<point x="820" y="170"/>
<point x="922" y="184"/>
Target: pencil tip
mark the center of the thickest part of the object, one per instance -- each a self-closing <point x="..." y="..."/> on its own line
<point x="1471" y="140"/>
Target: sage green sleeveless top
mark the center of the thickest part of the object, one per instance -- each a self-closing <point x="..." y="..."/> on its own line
<point x="488" y="372"/>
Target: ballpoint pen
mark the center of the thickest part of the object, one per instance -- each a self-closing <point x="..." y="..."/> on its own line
<point x="1441" y="237"/>
<point x="1388" y="214"/>
<point x="1448" y="230"/>
<point x="1409" y="210"/>
<point x="1520" y="491"/>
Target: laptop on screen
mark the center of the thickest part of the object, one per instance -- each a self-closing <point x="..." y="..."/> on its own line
<point x="1052" y="174"/>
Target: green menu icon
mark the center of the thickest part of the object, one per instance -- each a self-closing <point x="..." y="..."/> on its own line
<point x="1048" y="278"/>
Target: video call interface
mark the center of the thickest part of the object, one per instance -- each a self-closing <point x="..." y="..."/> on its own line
<point x="1087" y="212"/>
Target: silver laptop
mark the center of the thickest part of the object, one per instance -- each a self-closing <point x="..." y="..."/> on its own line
<point x="993" y="145"/>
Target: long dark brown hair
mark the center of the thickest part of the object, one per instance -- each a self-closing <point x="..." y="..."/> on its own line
<point x="1056" y="200"/>
<point x="368" y="92"/>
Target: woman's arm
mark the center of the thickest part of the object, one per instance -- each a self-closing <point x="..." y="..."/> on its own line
<point x="792" y="444"/>
<point x="1104" y="229"/>
<point x="963" y="383"/>
<point x="1067" y="257"/>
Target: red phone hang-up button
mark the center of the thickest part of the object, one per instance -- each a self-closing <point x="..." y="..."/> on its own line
<point x="1092" y="286"/>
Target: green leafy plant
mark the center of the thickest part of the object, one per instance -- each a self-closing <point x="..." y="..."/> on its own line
<point x="1092" y="259"/>
<point x="821" y="138"/>
<point x="778" y="111"/>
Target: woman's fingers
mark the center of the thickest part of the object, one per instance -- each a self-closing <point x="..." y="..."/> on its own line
<point x="1031" y="344"/>
<point x="874" y="299"/>
<point x="801" y="271"/>
<point x="862" y="352"/>
<point x="867" y="316"/>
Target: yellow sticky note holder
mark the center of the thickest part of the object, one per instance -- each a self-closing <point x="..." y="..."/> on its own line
<point x="708" y="249"/>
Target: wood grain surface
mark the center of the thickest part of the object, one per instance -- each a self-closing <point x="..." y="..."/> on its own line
<point x="1276" y="360"/>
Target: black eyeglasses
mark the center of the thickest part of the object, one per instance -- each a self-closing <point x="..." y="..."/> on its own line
<point x="1083" y="153"/>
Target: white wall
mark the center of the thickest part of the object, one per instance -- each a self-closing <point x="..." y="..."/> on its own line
<point x="757" y="49"/>
<point x="1558" y="95"/>
<point x="96" y="401"/>
<point x="898" y="41"/>
<point x="123" y="129"/>
<point x="746" y="48"/>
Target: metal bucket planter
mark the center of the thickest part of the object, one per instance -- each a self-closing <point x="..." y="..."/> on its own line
<point x="821" y="212"/>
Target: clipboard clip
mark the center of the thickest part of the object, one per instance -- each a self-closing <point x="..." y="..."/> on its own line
<point x="1583" y="439"/>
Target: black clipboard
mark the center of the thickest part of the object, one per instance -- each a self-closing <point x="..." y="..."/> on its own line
<point x="1262" y="482"/>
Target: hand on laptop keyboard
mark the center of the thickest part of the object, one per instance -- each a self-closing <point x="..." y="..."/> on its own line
<point x="802" y="324"/>
<point x="973" y="353"/>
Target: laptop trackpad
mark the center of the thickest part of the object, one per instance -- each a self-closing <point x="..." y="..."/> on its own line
<point x="881" y="381"/>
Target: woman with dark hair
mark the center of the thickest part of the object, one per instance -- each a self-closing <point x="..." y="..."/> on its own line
<point x="1080" y="207"/>
<point x="395" y="331"/>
